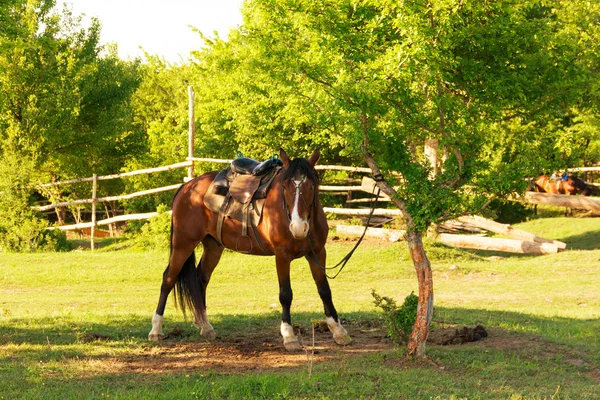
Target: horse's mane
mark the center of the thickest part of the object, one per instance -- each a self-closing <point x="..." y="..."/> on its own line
<point x="302" y="166"/>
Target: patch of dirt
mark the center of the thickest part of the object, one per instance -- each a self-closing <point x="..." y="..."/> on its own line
<point x="259" y="351"/>
<point x="262" y="350"/>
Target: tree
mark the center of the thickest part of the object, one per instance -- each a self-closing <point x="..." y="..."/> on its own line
<point x="64" y="99"/>
<point x="489" y="83"/>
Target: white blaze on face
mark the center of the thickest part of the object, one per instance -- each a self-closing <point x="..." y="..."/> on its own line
<point x="298" y="226"/>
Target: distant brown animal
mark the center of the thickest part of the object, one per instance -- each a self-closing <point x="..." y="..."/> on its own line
<point x="567" y="184"/>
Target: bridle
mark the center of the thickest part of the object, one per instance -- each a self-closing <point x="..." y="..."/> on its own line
<point x="313" y="258"/>
<point x="298" y="194"/>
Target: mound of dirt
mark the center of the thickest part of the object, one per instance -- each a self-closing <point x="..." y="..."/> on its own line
<point x="455" y="335"/>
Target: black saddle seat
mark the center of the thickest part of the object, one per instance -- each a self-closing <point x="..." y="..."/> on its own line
<point x="243" y="165"/>
<point x="248" y="166"/>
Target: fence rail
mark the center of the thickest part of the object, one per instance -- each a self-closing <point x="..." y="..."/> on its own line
<point x="366" y="186"/>
<point x="122" y="175"/>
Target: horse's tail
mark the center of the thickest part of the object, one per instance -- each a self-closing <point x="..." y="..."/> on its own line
<point x="188" y="290"/>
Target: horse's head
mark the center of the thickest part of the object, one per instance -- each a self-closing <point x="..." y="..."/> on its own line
<point x="576" y="185"/>
<point x="300" y="191"/>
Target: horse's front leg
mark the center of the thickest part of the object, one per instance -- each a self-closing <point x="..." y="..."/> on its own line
<point x="290" y="341"/>
<point x="340" y="335"/>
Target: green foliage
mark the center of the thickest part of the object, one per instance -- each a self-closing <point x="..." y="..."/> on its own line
<point x="399" y="321"/>
<point x="64" y="99"/>
<point x="22" y="228"/>
<point x="156" y="233"/>
<point x="495" y="84"/>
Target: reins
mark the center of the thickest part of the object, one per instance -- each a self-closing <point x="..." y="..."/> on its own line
<point x="314" y="259"/>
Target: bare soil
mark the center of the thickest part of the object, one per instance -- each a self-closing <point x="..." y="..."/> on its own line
<point x="262" y="350"/>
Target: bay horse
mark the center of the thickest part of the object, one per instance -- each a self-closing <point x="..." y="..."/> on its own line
<point x="292" y="225"/>
<point x="566" y="184"/>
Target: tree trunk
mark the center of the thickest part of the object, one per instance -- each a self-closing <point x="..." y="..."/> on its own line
<point x="418" y="337"/>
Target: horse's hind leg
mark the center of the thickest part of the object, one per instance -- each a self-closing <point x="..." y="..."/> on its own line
<point x="340" y="335"/>
<point x="210" y="258"/>
<point x="180" y="258"/>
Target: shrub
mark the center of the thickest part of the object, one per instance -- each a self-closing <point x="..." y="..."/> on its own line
<point x="156" y="233"/>
<point x="398" y="321"/>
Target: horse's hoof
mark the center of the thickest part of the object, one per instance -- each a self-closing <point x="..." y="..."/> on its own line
<point x="342" y="340"/>
<point x="292" y="346"/>
<point x="208" y="333"/>
<point x="156" y="337"/>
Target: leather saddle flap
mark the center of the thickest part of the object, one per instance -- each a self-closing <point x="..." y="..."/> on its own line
<point x="243" y="188"/>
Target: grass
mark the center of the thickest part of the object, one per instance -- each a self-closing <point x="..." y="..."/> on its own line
<point x="542" y="312"/>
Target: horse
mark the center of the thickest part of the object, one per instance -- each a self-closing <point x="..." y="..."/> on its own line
<point x="292" y="225"/>
<point x="566" y="184"/>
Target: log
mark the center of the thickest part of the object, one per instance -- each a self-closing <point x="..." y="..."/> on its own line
<point x="107" y="221"/>
<point x="317" y="167"/>
<point x="362" y="212"/>
<point x="326" y="188"/>
<point x="496" y="244"/>
<point x="563" y="200"/>
<point x="391" y="235"/>
<point x="507" y="230"/>
<point x="110" y="198"/>
<point x="122" y="175"/>
<point x="585" y="169"/>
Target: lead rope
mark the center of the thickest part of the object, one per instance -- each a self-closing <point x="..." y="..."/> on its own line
<point x="343" y="261"/>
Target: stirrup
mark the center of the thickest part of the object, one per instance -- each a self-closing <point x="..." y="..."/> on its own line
<point x="237" y="244"/>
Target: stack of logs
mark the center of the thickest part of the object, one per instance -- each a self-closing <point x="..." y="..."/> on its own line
<point x="518" y="241"/>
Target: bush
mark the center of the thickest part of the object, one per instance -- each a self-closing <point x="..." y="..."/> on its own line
<point x="156" y="233"/>
<point x="398" y="321"/>
<point x="21" y="227"/>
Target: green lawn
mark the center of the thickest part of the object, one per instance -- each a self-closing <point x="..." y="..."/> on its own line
<point x="542" y="313"/>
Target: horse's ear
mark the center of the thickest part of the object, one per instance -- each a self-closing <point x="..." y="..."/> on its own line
<point x="315" y="157"/>
<point x="285" y="159"/>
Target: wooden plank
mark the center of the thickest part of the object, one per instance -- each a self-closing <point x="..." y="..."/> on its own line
<point x="507" y="230"/>
<point x="391" y="235"/>
<point x="343" y="168"/>
<point x="584" y="169"/>
<point x="122" y="175"/>
<point x="331" y="188"/>
<point x="191" y="131"/>
<point x="495" y="244"/>
<point x="363" y="212"/>
<point x="107" y="221"/>
<point x="563" y="200"/>
<point x="110" y="198"/>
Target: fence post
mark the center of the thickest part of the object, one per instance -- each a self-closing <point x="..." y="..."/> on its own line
<point x="93" y="229"/>
<point x="192" y="126"/>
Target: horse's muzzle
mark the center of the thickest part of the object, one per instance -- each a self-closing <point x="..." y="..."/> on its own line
<point x="299" y="229"/>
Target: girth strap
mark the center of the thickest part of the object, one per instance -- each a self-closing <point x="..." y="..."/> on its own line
<point x="222" y="214"/>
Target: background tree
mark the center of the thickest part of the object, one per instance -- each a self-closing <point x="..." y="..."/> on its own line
<point x="64" y="100"/>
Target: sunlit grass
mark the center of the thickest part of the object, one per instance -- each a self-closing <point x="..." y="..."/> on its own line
<point x="50" y="302"/>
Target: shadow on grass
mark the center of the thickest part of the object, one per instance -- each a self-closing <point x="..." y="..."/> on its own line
<point x="134" y="329"/>
<point x="585" y="241"/>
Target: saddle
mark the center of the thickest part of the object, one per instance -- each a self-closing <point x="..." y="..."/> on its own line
<point x="239" y="192"/>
